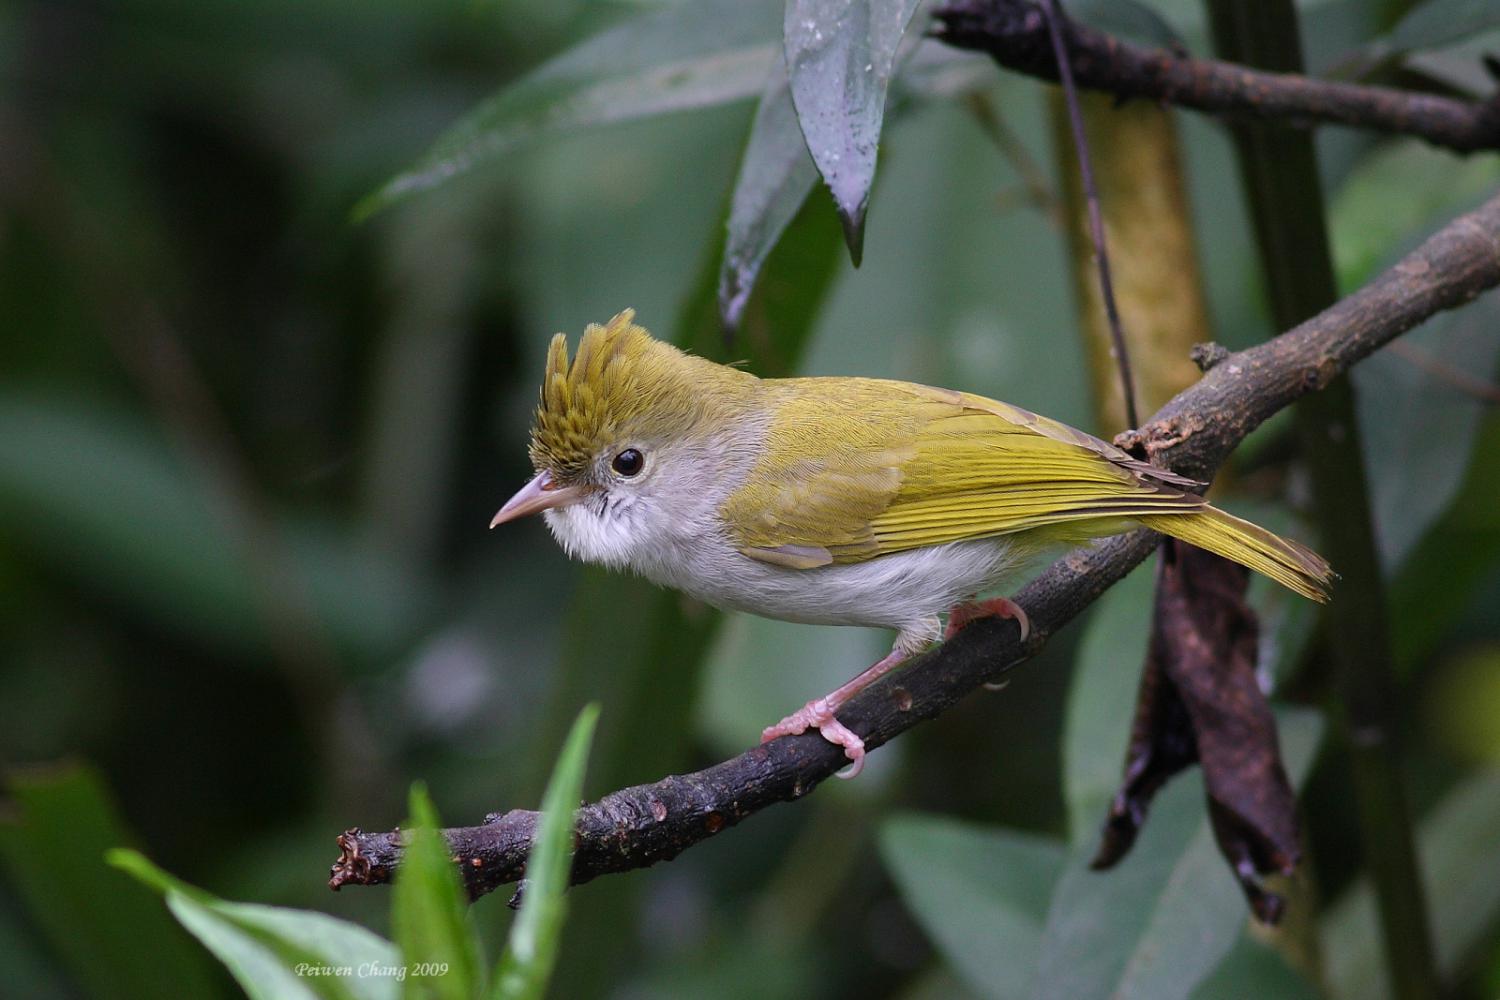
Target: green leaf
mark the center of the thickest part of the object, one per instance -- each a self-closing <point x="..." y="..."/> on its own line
<point x="162" y="543"/>
<point x="114" y="939"/>
<point x="531" y="952"/>
<point x="273" y="951"/>
<point x="1436" y="23"/>
<point x="1394" y="198"/>
<point x="1419" y="428"/>
<point x="1127" y="19"/>
<point x="1103" y="689"/>
<point x="840" y="55"/>
<point x="1255" y="969"/>
<point x="1158" y="922"/>
<point x="1459" y="856"/>
<point x="980" y="894"/>
<point x="775" y="176"/>
<point x="429" y="912"/>
<point x="687" y="55"/>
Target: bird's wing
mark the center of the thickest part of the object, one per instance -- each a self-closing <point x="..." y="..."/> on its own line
<point x="881" y="467"/>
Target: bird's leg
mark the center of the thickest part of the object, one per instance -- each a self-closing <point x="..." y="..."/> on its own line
<point x="996" y="607"/>
<point x="819" y="713"/>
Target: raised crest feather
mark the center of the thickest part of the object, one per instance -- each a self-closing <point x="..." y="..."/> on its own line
<point x="618" y="374"/>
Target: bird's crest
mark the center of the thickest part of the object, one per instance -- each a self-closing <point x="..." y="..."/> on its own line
<point x="619" y="372"/>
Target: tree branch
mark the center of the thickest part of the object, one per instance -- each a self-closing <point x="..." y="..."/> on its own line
<point x="639" y="826"/>
<point x="1014" y="33"/>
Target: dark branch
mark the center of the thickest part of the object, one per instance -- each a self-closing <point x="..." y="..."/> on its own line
<point x="1194" y="433"/>
<point x="1014" y="33"/>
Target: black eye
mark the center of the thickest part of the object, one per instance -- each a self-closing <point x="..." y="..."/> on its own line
<point x="629" y="462"/>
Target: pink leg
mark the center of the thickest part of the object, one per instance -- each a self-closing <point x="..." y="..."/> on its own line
<point x="995" y="607"/>
<point x="819" y="714"/>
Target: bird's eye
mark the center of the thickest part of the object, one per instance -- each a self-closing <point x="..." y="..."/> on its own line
<point x="629" y="462"/>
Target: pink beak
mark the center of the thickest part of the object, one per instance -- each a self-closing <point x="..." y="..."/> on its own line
<point x="539" y="494"/>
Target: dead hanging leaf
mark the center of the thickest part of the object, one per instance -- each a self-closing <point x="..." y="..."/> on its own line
<point x="1200" y="701"/>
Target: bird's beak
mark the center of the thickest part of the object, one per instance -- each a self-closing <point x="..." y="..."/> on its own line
<point x="539" y="494"/>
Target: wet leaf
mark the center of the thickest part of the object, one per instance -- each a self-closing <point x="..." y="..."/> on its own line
<point x="775" y="176"/>
<point x="689" y="55"/>
<point x="840" y="55"/>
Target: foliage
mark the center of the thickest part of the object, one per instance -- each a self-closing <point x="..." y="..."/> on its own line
<point x="248" y="447"/>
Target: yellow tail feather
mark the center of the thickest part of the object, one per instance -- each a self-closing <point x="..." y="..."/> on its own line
<point x="1289" y="563"/>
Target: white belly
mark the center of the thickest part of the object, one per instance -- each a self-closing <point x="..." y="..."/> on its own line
<point x="898" y="591"/>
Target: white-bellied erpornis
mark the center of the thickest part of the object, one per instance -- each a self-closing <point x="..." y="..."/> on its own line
<point x="838" y="501"/>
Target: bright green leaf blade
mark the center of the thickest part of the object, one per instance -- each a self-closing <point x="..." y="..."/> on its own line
<point x="531" y="952"/>
<point x="687" y="55"/>
<point x="1459" y="855"/>
<point x="840" y="55"/>
<point x="114" y="939"/>
<point x="775" y="176"/>
<point x="1155" y="924"/>
<point x="980" y="894"/>
<point x="275" y="951"/>
<point x="429" y="913"/>
<point x="1103" y="687"/>
<point x="255" y="966"/>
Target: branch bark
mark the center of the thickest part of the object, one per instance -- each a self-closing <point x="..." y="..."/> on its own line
<point x="1014" y="33"/>
<point x="639" y="826"/>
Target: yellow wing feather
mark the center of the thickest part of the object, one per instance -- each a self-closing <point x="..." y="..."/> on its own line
<point x="900" y="466"/>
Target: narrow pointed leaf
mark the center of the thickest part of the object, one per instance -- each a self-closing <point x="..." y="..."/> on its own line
<point x="687" y="55"/>
<point x="775" y="176"/>
<point x="531" y="952"/>
<point x="840" y="55"/>
<point x="429" y="913"/>
<point x="275" y="952"/>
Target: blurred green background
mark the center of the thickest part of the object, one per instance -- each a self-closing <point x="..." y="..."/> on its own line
<point x="249" y="448"/>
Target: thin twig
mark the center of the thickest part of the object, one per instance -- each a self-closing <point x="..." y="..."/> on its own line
<point x="1015" y="34"/>
<point x="1034" y="187"/>
<point x="639" y="826"/>
<point x="1456" y="378"/>
<point x="1096" y="215"/>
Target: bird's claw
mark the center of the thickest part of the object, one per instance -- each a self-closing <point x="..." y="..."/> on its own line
<point x="819" y="715"/>
<point x="995" y="607"/>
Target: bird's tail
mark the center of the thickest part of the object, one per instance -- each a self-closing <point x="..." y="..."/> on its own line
<point x="1289" y="563"/>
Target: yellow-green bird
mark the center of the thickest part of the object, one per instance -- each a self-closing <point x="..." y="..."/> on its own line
<point x="837" y="501"/>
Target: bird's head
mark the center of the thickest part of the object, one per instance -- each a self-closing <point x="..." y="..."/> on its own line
<point x="627" y="441"/>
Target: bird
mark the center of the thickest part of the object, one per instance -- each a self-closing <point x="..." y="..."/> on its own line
<point x="838" y="500"/>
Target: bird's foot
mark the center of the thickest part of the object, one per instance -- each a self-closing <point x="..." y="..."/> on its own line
<point x="996" y="607"/>
<point x="819" y="715"/>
